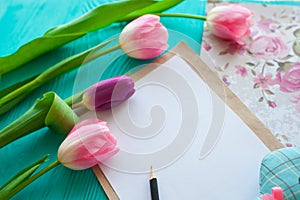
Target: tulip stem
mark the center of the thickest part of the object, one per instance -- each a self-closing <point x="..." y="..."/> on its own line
<point x="74" y="98"/>
<point x="181" y="15"/>
<point x="77" y="105"/>
<point x="34" y="177"/>
<point x="98" y="54"/>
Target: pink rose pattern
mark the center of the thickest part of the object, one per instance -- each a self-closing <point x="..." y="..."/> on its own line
<point x="270" y="58"/>
<point x="268" y="47"/>
<point x="289" y="80"/>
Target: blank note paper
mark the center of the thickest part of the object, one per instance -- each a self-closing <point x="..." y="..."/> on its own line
<point x="198" y="147"/>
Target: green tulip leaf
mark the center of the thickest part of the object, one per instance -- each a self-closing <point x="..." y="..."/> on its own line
<point x="59" y="112"/>
<point x="296" y="48"/>
<point x="49" y="111"/>
<point x="99" y="17"/>
<point x="32" y="50"/>
<point x="9" y="105"/>
<point x="11" y="88"/>
<point x="154" y="8"/>
<point x="9" y="97"/>
<point x="7" y="189"/>
<point x="95" y="19"/>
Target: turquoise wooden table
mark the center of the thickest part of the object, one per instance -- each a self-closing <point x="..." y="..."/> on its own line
<point x="24" y="20"/>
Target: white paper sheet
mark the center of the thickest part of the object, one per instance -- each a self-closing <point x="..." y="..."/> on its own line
<point x="164" y="124"/>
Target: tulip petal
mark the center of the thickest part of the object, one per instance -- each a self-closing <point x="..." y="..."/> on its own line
<point x="144" y="38"/>
<point x="230" y="22"/>
<point x="108" y="93"/>
<point x="88" y="143"/>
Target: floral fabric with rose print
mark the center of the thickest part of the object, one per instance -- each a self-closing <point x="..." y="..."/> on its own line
<point x="264" y="72"/>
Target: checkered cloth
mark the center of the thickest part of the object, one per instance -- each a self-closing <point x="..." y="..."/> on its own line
<point x="281" y="168"/>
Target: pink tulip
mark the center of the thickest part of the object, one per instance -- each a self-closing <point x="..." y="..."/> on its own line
<point x="230" y="22"/>
<point x="88" y="143"/>
<point x="144" y="37"/>
<point x="108" y="93"/>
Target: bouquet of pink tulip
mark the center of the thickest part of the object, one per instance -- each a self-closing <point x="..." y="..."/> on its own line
<point x="89" y="142"/>
<point x="143" y="38"/>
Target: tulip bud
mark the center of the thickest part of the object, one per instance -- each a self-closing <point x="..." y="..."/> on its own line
<point x="108" y="93"/>
<point x="88" y="143"/>
<point x="144" y="37"/>
<point x="230" y="22"/>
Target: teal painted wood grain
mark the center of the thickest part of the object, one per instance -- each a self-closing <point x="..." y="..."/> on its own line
<point x="24" y="20"/>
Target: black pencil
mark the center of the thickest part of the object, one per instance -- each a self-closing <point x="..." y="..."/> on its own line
<point x="153" y="186"/>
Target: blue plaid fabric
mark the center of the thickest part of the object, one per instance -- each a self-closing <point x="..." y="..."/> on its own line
<point x="281" y="168"/>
